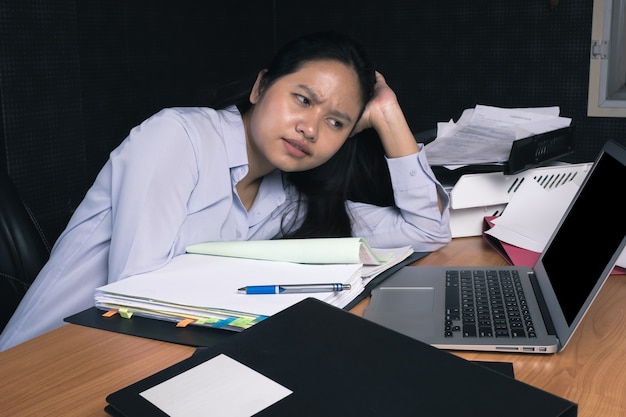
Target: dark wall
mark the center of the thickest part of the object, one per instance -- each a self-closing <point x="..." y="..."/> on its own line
<point x="442" y="57"/>
<point x="75" y="77"/>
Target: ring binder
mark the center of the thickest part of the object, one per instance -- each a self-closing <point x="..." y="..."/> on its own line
<point x="536" y="150"/>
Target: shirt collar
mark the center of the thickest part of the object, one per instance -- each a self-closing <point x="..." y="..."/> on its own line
<point x="234" y="135"/>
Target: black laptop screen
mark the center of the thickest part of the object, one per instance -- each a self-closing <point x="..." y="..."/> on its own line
<point x="588" y="237"/>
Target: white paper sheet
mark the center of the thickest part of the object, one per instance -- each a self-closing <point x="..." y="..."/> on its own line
<point x="532" y="215"/>
<point x="212" y="281"/>
<point x="218" y="387"/>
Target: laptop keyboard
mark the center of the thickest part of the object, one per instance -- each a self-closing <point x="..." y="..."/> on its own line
<point x="486" y="303"/>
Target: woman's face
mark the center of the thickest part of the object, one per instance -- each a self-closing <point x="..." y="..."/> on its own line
<point x="302" y="119"/>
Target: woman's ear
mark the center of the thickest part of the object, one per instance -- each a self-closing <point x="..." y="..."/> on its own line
<point x="256" y="91"/>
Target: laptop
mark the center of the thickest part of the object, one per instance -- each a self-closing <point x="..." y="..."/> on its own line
<point x="536" y="310"/>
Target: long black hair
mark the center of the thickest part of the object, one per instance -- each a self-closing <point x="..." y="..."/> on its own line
<point x="357" y="171"/>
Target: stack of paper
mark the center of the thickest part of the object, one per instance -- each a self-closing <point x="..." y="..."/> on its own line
<point x="485" y="134"/>
<point x="348" y="250"/>
<point x="202" y="289"/>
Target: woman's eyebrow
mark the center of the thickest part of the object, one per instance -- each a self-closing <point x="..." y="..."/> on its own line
<point x="313" y="96"/>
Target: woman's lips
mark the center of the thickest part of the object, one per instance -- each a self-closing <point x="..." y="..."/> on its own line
<point x="297" y="148"/>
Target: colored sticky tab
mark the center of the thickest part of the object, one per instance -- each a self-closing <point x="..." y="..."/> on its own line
<point x="125" y="313"/>
<point x="207" y="320"/>
<point x="185" y="322"/>
<point x="243" y="322"/>
<point x="109" y="313"/>
<point x="224" y="322"/>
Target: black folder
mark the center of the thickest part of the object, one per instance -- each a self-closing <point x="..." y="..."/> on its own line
<point x="338" y="364"/>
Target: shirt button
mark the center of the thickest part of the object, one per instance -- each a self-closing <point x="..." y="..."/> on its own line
<point x="413" y="172"/>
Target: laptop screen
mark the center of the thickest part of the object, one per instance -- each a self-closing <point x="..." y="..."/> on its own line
<point x="588" y="237"/>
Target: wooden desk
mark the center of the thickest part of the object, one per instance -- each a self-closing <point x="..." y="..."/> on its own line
<point x="71" y="370"/>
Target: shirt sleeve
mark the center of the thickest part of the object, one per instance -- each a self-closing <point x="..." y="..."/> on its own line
<point x="416" y="220"/>
<point x="153" y="174"/>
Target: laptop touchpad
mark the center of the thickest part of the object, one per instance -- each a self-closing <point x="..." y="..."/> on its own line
<point x="413" y="300"/>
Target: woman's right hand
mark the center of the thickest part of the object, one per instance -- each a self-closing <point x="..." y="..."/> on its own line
<point x="384" y="114"/>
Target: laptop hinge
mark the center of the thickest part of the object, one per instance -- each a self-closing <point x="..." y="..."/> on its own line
<point x="543" y="306"/>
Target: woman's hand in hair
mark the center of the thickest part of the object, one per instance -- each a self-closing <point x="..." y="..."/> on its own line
<point x="384" y="114"/>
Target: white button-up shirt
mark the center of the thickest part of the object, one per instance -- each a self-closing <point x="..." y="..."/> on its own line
<point x="170" y="184"/>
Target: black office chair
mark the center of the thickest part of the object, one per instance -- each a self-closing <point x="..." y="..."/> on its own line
<point x="23" y="248"/>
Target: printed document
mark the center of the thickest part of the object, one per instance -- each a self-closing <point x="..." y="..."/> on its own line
<point x="485" y="134"/>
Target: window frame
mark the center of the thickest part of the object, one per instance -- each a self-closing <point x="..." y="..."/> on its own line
<point x="607" y="67"/>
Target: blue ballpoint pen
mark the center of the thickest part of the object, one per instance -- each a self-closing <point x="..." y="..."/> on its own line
<point x="291" y="289"/>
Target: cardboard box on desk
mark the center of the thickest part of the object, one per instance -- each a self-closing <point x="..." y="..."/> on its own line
<point x="478" y="195"/>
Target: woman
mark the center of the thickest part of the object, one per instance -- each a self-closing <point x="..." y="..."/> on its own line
<point x="285" y="164"/>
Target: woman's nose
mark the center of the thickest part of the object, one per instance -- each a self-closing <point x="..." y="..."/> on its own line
<point x="307" y="127"/>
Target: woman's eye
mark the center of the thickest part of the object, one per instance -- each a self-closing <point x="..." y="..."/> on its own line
<point x="336" y="123"/>
<point x="302" y="99"/>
